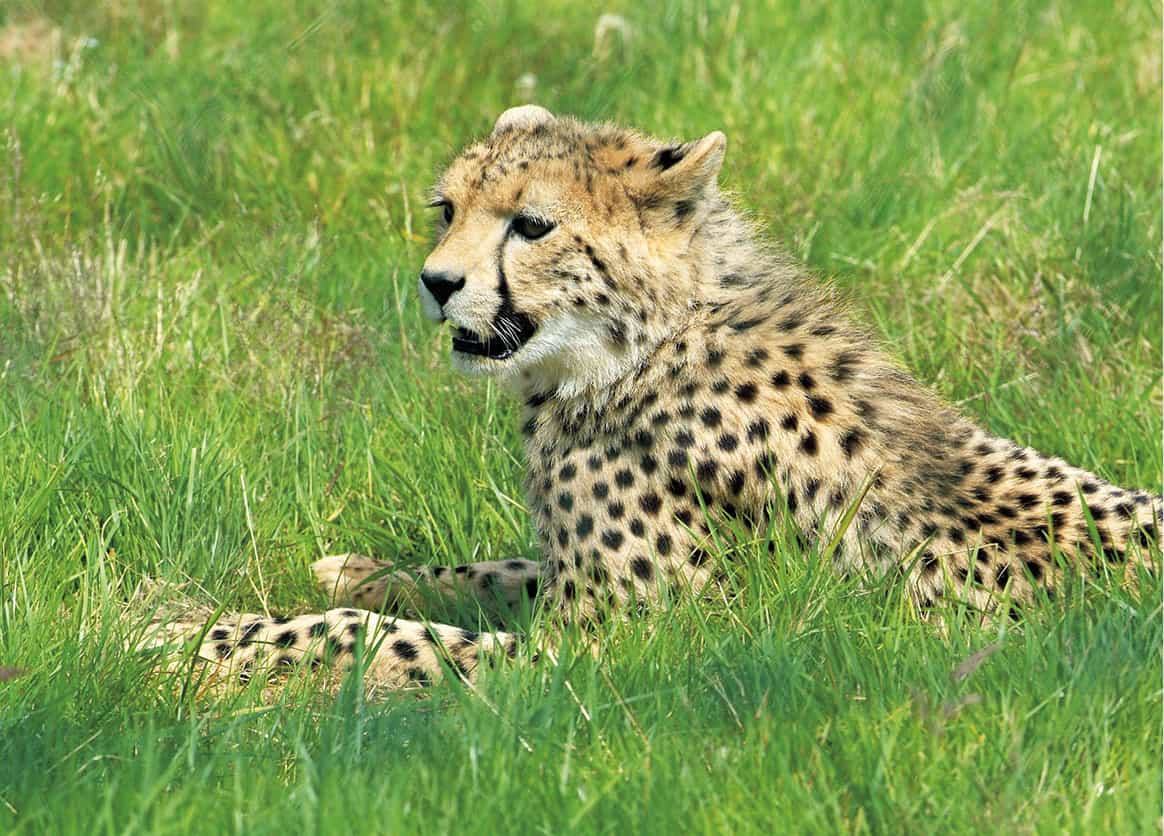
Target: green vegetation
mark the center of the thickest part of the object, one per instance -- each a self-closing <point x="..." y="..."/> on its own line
<point x="213" y="369"/>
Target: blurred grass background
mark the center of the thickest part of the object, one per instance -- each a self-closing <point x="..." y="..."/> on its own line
<point x="213" y="369"/>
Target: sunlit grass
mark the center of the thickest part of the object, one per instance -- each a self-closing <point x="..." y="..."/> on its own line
<point x="213" y="370"/>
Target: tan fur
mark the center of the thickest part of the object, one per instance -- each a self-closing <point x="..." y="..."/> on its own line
<point x="672" y="363"/>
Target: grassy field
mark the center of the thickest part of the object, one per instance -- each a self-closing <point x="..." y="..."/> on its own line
<point x="213" y="369"/>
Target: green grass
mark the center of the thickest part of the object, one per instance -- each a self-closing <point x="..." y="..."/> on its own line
<point x="213" y="368"/>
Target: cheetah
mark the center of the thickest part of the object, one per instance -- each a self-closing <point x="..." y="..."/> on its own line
<point x="677" y="371"/>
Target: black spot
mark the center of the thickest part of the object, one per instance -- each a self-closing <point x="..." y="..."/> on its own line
<point x="706" y="470"/>
<point x="1036" y="569"/>
<point x="1002" y="575"/>
<point x="566" y="501"/>
<point x="710" y="417"/>
<point x="806" y="381"/>
<point x="594" y="463"/>
<point x="789" y="422"/>
<point x="624" y="478"/>
<point x="406" y="650"/>
<point x="249" y="633"/>
<point x="819" y="407"/>
<point x="1027" y="501"/>
<point x="811" y="487"/>
<point x="667" y="157"/>
<point x="1025" y="473"/>
<point x="676" y="488"/>
<point x="219" y="634"/>
<point x="794" y="351"/>
<point x="791" y="322"/>
<point x="746" y="392"/>
<point x="584" y="526"/>
<point x="636" y="527"/>
<point x="663" y="544"/>
<point x="736" y="482"/>
<point x="843" y="366"/>
<point x="612" y="538"/>
<point x="223" y="651"/>
<point x="600" y="490"/>
<point x="567" y="472"/>
<point x="957" y="536"/>
<point x="615" y="510"/>
<point x="286" y="639"/>
<point x="808" y="444"/>
<point x="714" y="358"/>
<point x="648" y="464"/>
<point x="685" y="439"/>
<point x="683" y="515"/>
<point x="419" y="677"/>
<point x="758" y="430"/>
<point x="993" y="474"/>
<point x="569" y="590"/>
<point x="851" y="442"/>
<point x="644" y="439"/>
<point x="765" y="465"/>
<point x="563" y="537"/>
<point x="1097" y="513"/>
<point x="727" y="442"/>
<point x="756" y="357"/>
<point x="677" y="458"/>
<point x="642" y="568"/>
<point x="697" y="558"/>
<point x="650" y="503"/>
<point x="781" y="380"/>
<point x="318" y="629"/>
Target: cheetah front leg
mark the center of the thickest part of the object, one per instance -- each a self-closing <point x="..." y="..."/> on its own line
<point x="399" y="653"/>
<point x="375" y="585"/>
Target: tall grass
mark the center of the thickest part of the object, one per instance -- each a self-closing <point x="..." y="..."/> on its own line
<point x="213" y="370"/>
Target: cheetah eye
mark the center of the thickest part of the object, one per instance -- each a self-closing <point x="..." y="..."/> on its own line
<point x="531" y="228"/>
<point x="445" y="207"/>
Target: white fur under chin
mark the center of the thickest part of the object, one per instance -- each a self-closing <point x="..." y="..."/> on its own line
<point x="568" y="355"/>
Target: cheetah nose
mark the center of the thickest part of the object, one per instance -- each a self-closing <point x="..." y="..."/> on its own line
<point x="441" y="285"/>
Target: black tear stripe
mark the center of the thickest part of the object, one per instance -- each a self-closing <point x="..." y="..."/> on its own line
<point x="506" y="312"/>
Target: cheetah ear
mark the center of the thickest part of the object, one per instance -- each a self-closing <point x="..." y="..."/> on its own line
<point x="692" y="166"/>
<point x="671" y="185"/>
<point x="522" y="118"/>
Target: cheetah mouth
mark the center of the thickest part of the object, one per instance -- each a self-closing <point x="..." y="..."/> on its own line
<point x="511" y="330"/>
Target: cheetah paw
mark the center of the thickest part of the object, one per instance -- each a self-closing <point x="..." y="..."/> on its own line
<point x="345" y="578"/>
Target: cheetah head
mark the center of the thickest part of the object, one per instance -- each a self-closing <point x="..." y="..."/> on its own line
<point x="564" y="251"/>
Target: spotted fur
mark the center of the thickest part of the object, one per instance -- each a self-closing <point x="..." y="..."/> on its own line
<point x="676" y="370"/>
